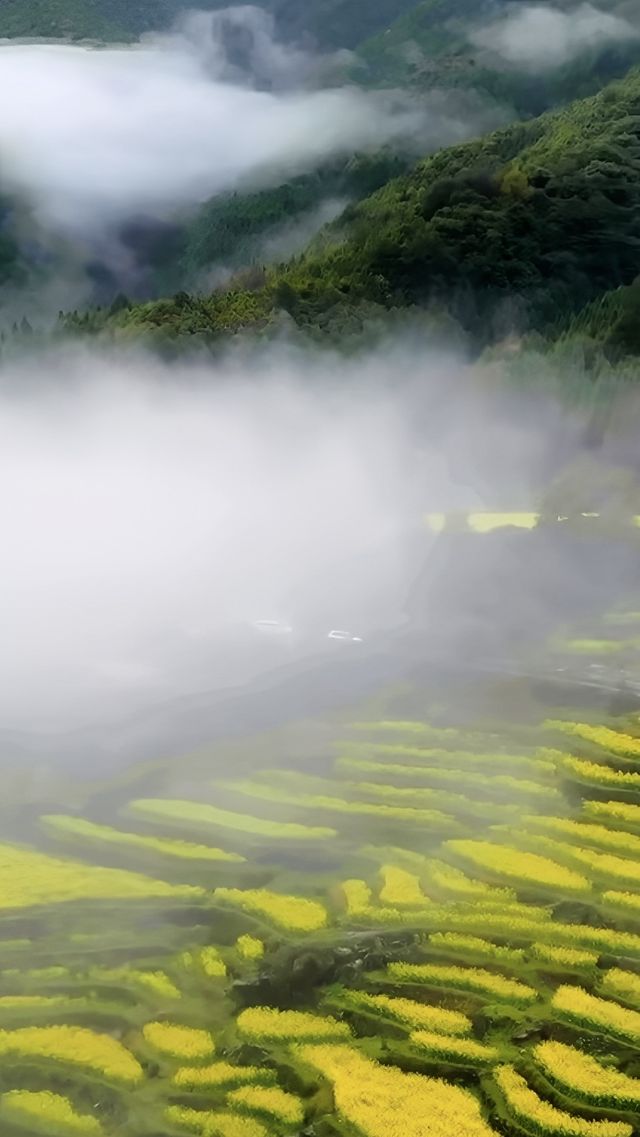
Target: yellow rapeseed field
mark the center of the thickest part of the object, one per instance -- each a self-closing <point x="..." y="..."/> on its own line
<point x="474" y="945"/>
<point x="220" y="1074"/>
<point x="408" y="1012"/>
<point x="269" y="1024"/>
<point x="269" y="1100"/>
<point x="155" y="982"/>
<point x="577" y="1006"/>
<point x="624" y="985"/>
<point x="535" y="1112"/>
<point x="515" y="865"/>
<point x="465" y="978"/>
<point x="293" y="913"/>
<point x="611" y="840"/>
<point x="457" y="1049"/>
<point x="605" y="866"/>
<point x="106" y="835"/>
<point x="564" y="956"/>
<point x="75" y="1045"/>
<point x="45" y="1112"/>
<point x="211" y="963"/>
<point x="382" y="812"/>
<point x="204" y="816"/>
<point x="179" y="1041"/>
<point x="355" y="896"/>
<point x="455" y="883"/>
<point x="596" y="774"/>
<point x="381" y="1101"/>
<point x="211" y="1124"/>
<point x="583" y="1075"/>
<point x="623" y="745"/>
<point x="28" y="878"/>
<point x="622" y="812"/>
<point x="401" y="888"/>
<point x="629" y="901"/>
<point x="249" y="947"/>
<point x="444" y="775"/>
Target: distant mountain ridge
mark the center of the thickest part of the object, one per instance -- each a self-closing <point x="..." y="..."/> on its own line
<point x="515" y="229"/>
<point x="329" y="23"/>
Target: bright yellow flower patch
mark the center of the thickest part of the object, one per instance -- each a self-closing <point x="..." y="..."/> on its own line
<point x="611" y="840"/>
<point x="382" y="812"/>
<point x="444" y="775"/>
<point x="293" y="913"/>
<point x="595" y="774"/>
<point x="380" y="1101"/>
<point x="620" y="811"/>
<point x="604" y="866"/>
<point x="464" y="1050"/>
<point x="515" y="865"/>
<point x="204" y="816"/>
<point x="455" y="883"/>
<point x="419" y="1016"/>
<point x="75" y="1045"/>
<point x="44" y="1112"/>
<point x="179" y="1041"/>
<point x="624" y="745"/>
<point x="564" y="956"/>
<point x="487" y="522"/>
<point x="211" y="1124"/>
<point x="220" y="1074"/>
<point x="618" y="984"/>
<point x="165" y="846"/>
<point x="249" y="947"/>
<point x="28" y="878"/>
<point x="577" y="1006"/>
<point x="474" y="945"/>
<point x="355" y="896"/>
<point x="270" y="1024"/>
<point x="466" y="978"/>
<point x="627" y="900"/>
<point x="35" y="1001"/>
<point x="270" y="1100"/>
<point x="155" y="982"/>
<point x="212" y="963"/>
<point x="583" y="1075"/>
<point x="532" y="1110"/>
<point x="401" y="888"/>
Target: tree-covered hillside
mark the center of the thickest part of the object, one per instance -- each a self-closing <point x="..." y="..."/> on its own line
<point x="435" y="45"/>
<point x="504" y="232"/>
<point x="330" y="23"/>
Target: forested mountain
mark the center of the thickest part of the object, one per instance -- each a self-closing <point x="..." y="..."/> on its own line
<point x="491" y="47"/>
<point x="502" y="232"/>
<point x="534" y="228"/>
<point x="329" y="23"/>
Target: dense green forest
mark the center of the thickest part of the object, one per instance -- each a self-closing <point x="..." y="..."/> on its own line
<point x="432" y="46"/>
<point x="499" y="233"/>
<point x="330" y="23"/>
<point x="532" y="230"/>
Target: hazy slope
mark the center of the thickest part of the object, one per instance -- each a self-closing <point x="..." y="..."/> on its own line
<point x="333" y="23"/>
<point x="528" y="56"/>
<point x="514" y="228"/>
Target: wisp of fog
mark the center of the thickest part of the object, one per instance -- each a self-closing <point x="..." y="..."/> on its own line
<point x="96" y="135"/>
<point x="539" y="36"/>
<point x="153" y="512"/>
<point x="145" y="506"/>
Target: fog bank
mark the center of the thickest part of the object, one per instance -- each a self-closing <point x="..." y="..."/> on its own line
<point x="542" y="37"/>
<point x="96" y="135"/>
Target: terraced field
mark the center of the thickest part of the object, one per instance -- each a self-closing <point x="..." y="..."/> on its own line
<point x="412" y="928"/>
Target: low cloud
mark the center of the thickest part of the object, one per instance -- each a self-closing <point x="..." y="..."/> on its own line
<point x="95" y="135"/>
<point x="543" y="37"/>
<point x="151" y="512"/>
